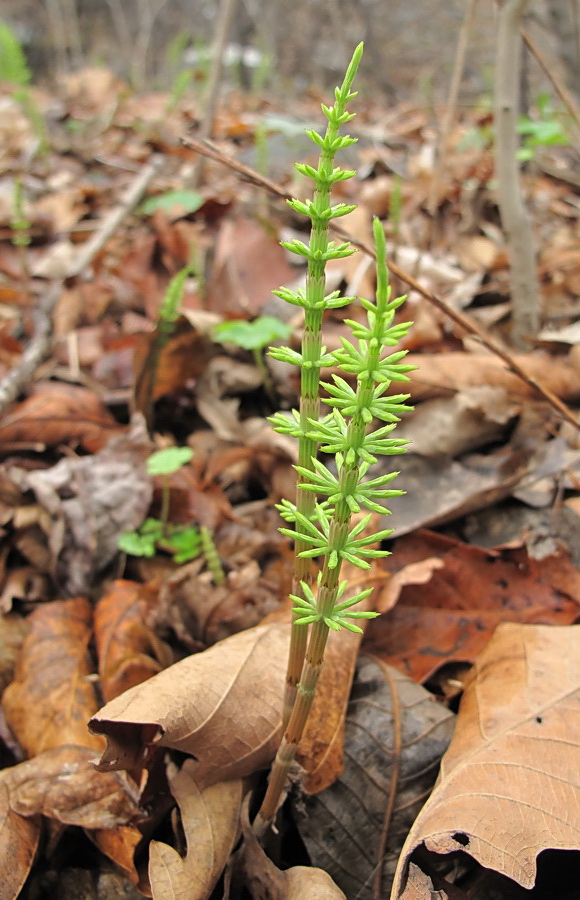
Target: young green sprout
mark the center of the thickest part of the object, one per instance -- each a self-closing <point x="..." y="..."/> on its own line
<point x="254" y="336"/>
<point x="183" y="542"/>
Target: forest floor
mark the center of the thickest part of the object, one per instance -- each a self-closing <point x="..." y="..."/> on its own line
<point x="99" y="210"/>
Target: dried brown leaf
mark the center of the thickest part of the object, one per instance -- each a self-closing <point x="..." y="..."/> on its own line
<point x="211" y="822"/>
<point x="509" y="782"/>
<point x="48" y="703"/>
<point x="223" y="706"/>
<point x="249" y="265"/>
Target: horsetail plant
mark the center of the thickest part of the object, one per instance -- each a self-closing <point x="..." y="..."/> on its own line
<point x="312" y="356"/>
<point x="328" y="530"/>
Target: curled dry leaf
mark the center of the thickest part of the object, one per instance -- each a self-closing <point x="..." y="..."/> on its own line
<point x="321" y="747"/>
<point x="19" y="838"/>
<point x="62" y="784"/>
<point x="396" y="733"/>
<point x="128" y="650"/>
<point x="509" y="782"/>
<point x="211" y="823"/>
<point x="48" y="703"/>
<point x="222" y="706"/>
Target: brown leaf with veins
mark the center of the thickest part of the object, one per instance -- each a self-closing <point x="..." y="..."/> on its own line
<point x="51" y="698"/>
<point x="211" y="822"/>
<point x="128" y="650"/>
<point x="222" y="706"/>
<point x="57" y="413"/>
<point x="508" y="787"/>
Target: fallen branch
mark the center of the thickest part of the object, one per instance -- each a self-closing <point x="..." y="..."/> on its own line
<point x="212" y="152"/>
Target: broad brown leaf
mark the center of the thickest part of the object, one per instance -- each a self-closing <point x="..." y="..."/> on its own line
<point x="51" y="698"/>
<point x="508" y="787"/>
<point x="223" y="706"/>
<point x="129" y="652"/>
<point x="211" y="822"/>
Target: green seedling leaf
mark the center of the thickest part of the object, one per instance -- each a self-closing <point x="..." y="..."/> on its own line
<point x="138" y="543"/>
<point x="188" y="201"/>
<point x="13" y="65"/>
<point x="252" y="335"/>
<point x="184" y="543"/>
<point x="168" y="460"/>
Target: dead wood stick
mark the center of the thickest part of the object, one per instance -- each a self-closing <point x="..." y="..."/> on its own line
<point x="39" y="345"/>
<point x="212" y="152"/>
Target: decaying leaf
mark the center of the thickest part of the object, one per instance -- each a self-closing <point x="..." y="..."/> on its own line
<point x="51" y="698"/>
<point x="90" y="501"/>
<point x="62" y="784"/>
<point x="396" y="733"/>
<point x="223" y="706"/>
<point x="211" y="822"/>
<point x="509" y="782"/>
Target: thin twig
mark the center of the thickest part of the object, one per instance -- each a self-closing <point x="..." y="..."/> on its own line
<point x="224" y="19"/>
<point x="39" y="345"/>
<point x="450" y="109"/>
<point x="560" y="88"/>
<point x="207" y="149"/>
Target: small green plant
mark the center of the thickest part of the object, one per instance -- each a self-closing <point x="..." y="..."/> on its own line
<point x="169" y="312"/>
<point x="547" y="130"/>
<point x="188" y="201"/>
<point x="14" y="70"/>
<point x="183" y="542"/>
<point x="254" y="336"/>
<point x="321" y="520"/>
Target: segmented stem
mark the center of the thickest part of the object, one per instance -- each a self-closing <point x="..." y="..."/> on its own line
<point x="311" y="351"/>
<point x="333" y="535"/>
